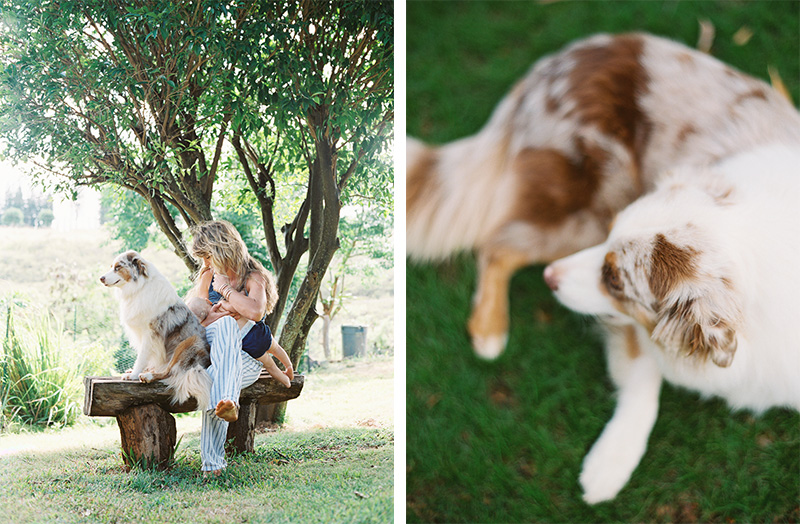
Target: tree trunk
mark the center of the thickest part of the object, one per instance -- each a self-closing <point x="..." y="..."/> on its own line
<point x="241" y="434"/>
<point x="278" y="415"/>
<point x="326" y="335"/>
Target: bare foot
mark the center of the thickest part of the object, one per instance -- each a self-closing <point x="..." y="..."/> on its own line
<point x="227" y="410"/>
<point x="281" y="377"/>
<point x="215" y="473"/>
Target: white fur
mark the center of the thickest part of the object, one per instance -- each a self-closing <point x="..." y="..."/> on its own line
<point x="140" y="302"/>
<point x="740" y="218"/>
<point x="142" y="298"/>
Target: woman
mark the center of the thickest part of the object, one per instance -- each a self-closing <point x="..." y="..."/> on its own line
<point x="242" y="293"/>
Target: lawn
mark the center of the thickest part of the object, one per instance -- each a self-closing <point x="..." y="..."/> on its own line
<point x="504" y="441"/>
<point x="332" y="462"/>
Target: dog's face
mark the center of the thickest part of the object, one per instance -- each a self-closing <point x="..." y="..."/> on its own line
<point x="660" y="270"/>
<point x="127" y="267"/>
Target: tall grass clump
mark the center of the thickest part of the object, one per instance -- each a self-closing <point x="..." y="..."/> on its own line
<point x="42" y="373"/>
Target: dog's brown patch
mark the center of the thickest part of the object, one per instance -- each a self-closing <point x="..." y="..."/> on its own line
<point x="611" y="277"/>
<point x="551" y="187"/>
<point x="123" y="273"/>
<point x="420" y="180"/>
<point x="606" y="84"/>
<point x="684" y="133"/>
<point x="757" y="93"/>
<point x="632" y="348"/>
<point x="669" y="266"/>
<point x="490" y="314"/>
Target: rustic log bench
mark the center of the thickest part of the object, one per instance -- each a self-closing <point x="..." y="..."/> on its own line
<point x="144" y="414"/>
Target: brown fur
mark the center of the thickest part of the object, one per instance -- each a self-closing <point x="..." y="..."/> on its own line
<point x="177" y="357"/>
<point x="419" y="180"/>
<point x="697" y="330"/>
<point x="686" y="131"/>
<point x="632" y="348"/>
<point x="607" y="82"/>
<point x="610" y="276"/>
<point x="551" y="186"/>
<point x="670" y="265"/>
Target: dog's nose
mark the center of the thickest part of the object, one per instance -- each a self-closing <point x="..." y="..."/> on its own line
<point x="103" y="279"/>
<point x="550" y="278"/>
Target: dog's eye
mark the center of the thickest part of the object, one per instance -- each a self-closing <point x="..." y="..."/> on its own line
<point x="611" y="278"/>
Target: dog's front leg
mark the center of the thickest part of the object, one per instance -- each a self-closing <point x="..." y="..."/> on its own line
<point x="612" y="459"/>
<point x="138" y="367"/>
<point x="488" y="323"/>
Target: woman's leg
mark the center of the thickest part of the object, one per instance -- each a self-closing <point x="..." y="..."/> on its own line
<point x="231" y="370"/>
<point x="226" y="374"/>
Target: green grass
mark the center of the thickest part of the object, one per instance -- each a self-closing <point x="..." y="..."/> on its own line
<point x="504" y="441"/>
<point x="335" y="475"/>
<point x="330" y="463"/>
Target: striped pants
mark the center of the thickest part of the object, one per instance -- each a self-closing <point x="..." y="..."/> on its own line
<point x="231" y="370"/>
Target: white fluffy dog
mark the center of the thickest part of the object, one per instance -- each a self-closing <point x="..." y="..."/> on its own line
<point x="697" y="284"/>
<point x="170" y="343"/>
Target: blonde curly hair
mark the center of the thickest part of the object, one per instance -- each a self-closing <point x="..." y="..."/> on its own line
<point x="220" y="242"/>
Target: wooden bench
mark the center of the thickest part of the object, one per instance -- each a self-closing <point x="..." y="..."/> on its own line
<point x="144" y="414"/>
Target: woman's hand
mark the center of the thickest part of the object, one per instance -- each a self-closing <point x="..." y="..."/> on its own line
<point x="215" y="313"/>
<point x="219" y="282"/>
<point x="227" y="307"/>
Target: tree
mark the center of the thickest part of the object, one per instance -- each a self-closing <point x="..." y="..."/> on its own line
<point x="45" y="218"/>
<point x="333" y="81"/>
<point x="109" y="92"/>
<point x="12" y="216"/>
<point x="145" y="95"/>
<point x="367" y="234"/>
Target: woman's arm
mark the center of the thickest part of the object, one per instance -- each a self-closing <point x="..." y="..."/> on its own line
<point x="252" y="305"/>
<point x="203" y="282"/>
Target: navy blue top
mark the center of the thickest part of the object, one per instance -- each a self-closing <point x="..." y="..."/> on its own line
<point x="258" y="340"/>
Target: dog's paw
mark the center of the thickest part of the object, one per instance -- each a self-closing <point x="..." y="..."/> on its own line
<point x="146" y="377"/>
<point x="606" y="470"/>
<point x="489" y="347"/>
<point x="129" y="376"/>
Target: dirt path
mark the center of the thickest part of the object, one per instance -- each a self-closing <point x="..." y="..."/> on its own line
<point x="356" y="392"/>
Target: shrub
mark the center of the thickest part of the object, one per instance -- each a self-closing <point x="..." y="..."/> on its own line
<point x="42" y="373"/>
<point x="45" y="218"/>
<point x="12" y="217"/>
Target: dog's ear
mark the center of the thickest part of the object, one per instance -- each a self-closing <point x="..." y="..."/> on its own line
<point x="697" y="328"/>
<point x="138" y="262"/>
<point x="696" y="312"/>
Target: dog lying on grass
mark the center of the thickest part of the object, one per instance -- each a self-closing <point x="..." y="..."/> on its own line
<point x="696" y="285"/>
<point x="170" y="343"/>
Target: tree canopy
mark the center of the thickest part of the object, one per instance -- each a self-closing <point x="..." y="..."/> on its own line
<point x="167" y="99"/>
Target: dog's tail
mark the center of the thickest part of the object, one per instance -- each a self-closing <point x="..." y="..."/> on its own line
<point x="191" y="381"/>
<point x="457" y="194"/>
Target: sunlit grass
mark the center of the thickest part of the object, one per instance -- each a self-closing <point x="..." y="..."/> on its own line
<point x="325" y="465"/>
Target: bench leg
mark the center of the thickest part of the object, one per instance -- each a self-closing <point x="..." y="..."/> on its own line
<point x="148" y="436"/>
<point x="241" y="434"/>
